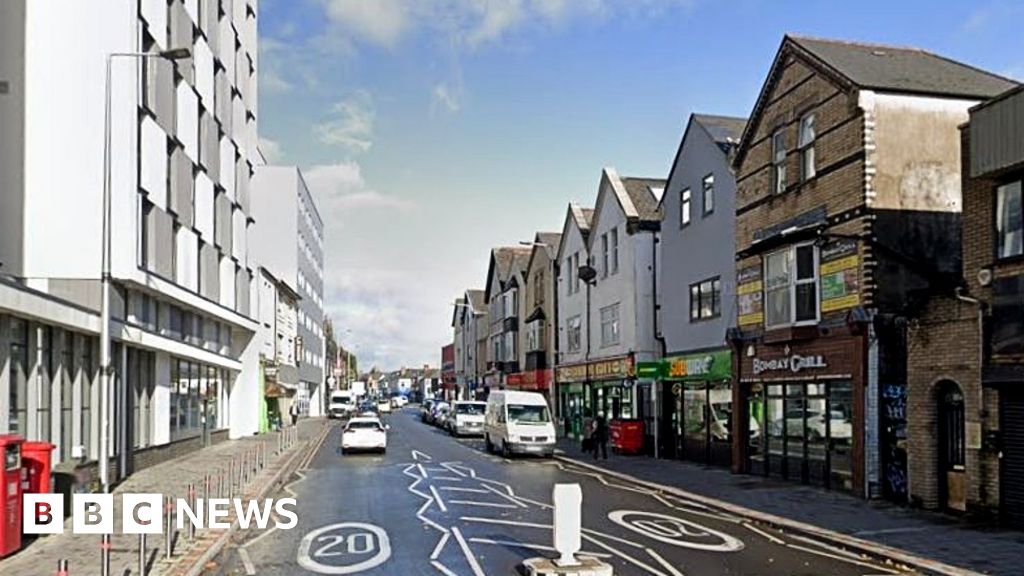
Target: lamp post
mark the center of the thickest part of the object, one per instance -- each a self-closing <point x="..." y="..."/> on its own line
<point x="105" y="278"/>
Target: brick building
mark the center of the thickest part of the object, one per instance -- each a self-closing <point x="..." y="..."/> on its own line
<point x="965" y="403"/>
<point x="847" y="215"/>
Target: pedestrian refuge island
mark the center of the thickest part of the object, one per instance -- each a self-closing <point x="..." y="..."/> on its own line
<point x="567" y="539"/>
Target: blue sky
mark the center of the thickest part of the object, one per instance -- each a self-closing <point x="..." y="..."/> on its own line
<point x="432" y="130"/>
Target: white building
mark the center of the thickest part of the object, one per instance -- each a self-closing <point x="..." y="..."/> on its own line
<point x="289" y="243"/>
<point x="182" y="149"/>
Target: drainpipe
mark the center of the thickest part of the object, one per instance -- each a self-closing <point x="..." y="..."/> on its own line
<point x="981" y="340"/>
<point x="655" y="240"/>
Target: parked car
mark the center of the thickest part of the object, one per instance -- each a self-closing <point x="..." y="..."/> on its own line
<point x="398" y="401"/>
<point x="364" y="433"/>
<point x="384" y="406"/>
<point x="425" y="408"/>
<point x="467" y="418"/>
<point x="439" y="413"/>
<point x="519" y="423"/>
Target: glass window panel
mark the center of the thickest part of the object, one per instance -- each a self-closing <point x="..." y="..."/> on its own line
<point x="776" y="426"/>
<point x="794" y="423"/>
<point x="806" y="302"/>
<point x="1009" y="223"/>
<point x="720" y="410"/>
<point x="684" y="208"/>
<point x="805" y="262"/>
<point x="840" y="441"/>
<point x="18" y="374"/>
<point x="817" y="428"/>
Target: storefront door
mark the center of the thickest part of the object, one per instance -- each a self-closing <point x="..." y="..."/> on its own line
<point x="952" y="475"/>
<point x="671" y="399"/>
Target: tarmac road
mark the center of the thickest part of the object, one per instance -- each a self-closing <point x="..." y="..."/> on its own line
<point x="439" y="505"/>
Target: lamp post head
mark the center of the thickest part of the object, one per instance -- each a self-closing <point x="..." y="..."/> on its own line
<point x="175" y="54"/>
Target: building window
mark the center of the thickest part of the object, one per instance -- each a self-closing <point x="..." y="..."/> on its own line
<point x="534" y="330"/>
<point x="573" y="329"/>
<point x="706" y="299"/>
<point x="67" y="391"/>
<point x="615" y="249"/>
<point x="18" y="378"/>
<point x="791" y="286"/>
<point x="708" y="190"/>
<point x="604" y="254"/>
<point x="87" y="385"/>
<point x="1009" y="221"/>
<point x="779" y="161"/>
<point x="684" y="208"/>
<point x="610" y="325"/>
<point x="806" y="144"/>
<point x="43" y="382"/>
<point x="576" y="272"/>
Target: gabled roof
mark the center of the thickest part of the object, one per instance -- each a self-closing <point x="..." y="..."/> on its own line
<point x="892" y="69"/>
<point x="903" y="69"/>
<point x="457" y="310"/>
<point x="547" y="241"/>
<point x="578" y="217"/>
<point x="506" y="261"/>
<point x="636" y="197"/>
<point x="725" y="131"/>
<point x="476" y="298"/>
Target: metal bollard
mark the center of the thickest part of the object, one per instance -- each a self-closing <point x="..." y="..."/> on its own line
<point x="105" y="554"/>
<point x="168" y="528"/>
<point x="142" y="554"/>
<point x="192" y="504"/>
<point x="206" y="487"/>
<point x="62" y="568"/>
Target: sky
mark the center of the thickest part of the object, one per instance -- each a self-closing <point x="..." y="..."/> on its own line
<point x="430" y="131"/>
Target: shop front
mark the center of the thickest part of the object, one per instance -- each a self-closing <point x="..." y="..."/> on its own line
<point x="532" y="381"/>
<point x="696" y="407"/>
<point x="600" y="387"/>
<point x="804" y="420"/>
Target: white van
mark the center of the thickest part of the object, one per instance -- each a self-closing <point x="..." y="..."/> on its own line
<point x="467" y="418"/>
<point x="519" y="423"/>
<point x="343" y="404"/>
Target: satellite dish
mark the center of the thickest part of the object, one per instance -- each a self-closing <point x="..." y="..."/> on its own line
<point x="587" y="273"/>
<point x="985" y="276"/>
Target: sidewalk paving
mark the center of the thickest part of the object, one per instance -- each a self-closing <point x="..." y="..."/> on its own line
<point x="169" y="478"/>
<point x="981" y="548"/>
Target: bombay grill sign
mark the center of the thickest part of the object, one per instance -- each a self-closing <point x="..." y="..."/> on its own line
<point x="794" y="363"/>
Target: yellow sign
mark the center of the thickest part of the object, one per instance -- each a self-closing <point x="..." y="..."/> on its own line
<point x="848" y="301"/>
<point x="749" y="288"/>
<point x="749" y="319"/>
<point x="577" y="373"/>
<point x="841" y="264"/>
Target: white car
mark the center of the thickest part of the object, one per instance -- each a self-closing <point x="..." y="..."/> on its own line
<point x="364" y="433"/>
<point x="384" y="406"/>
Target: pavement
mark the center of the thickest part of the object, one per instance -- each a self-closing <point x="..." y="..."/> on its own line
<point x="974" y="548"/>
<point x="433" y="504"/>
<point x="171" y="478"/>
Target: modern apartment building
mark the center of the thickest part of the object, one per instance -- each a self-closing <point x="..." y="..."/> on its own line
<point x="289" y="242"/>
<point x="182" y="149"/>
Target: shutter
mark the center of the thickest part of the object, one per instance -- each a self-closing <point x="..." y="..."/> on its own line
<point x="1012" y="465"/>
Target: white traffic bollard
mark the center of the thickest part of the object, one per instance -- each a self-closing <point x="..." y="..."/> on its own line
<point x="568" y="500"/>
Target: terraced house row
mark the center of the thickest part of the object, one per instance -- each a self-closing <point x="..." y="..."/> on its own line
<point x="216" y="307"/>
<point x="826" y="291"/>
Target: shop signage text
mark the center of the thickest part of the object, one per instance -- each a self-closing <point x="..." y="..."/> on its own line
<point x="794" y="363"/>
<point x="618" y="368"/>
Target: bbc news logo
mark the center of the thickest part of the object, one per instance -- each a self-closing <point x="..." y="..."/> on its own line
<point x="145" y="513"/>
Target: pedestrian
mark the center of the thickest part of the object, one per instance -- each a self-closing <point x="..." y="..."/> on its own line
<point x="600" y="436"/>
<point x="587" y="433"/>
<point x="294" y="411"/>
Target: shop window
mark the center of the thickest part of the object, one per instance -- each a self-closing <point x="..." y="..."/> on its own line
<point x="88" y="384"/>
<point x="791" y="286"/>
<point x="67" y="390"/>
<point x="44" y="343"/>
<point x="1008" y="315"/>
<point x="610" y="325"/>
<point x="1009" y="221"/>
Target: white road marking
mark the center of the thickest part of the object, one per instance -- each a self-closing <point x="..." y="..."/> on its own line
<point x="664" y="563"/>
<point x="534" y="502"/>
<point x="440" y="545"/>
<point x="623" y="555"/>
<point x="615" y="538"/>
<point x="507" y="488"/>
<point x="539" y="547"/>
<point x="757" y="530"/>
<point x="828" y="547"/>
<point x="250" y="570"/>
<point x="461" y="489"/>
<point x="890" y="531"/>
<point x="437" y="498"/>
<point x="447" y="478"/>
<point x="842" y="558"/>
<point x="423" y="473"/>
<point x="467" y="553"/>
<point x="453" y="469"/>
<point x="483" y="504"/>
<point x="442" y="569"/>
<point x="674" y="530"/>
<point x="503" y="522"/>
<point x="511" y="499"/>
<point x="417" y="455"/>
<point x="382" y="545"/>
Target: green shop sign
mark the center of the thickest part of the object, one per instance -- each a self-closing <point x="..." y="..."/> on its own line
<point x="715" y="365"/>
<point x="649" y="370"/>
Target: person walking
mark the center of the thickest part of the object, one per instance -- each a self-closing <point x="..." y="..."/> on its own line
<point x="294" y="411"/>
<point x="600" y="436"/>
<point x="587" y="433"/>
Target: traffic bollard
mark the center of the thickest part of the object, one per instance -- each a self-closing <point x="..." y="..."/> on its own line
<point x="142" y="554"/>
<point x="192" y="505"/>
<point x="206" y="487"/>
<point x="168" y="528"/>
<point x="105" y="554"/>
<point x="62" y="568"/>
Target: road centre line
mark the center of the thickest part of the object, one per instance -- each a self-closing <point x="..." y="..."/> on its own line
<point x="757" y="530"/>
<point x="624" y="556"/>
<point x="841" y="558"/>
<point x="483" y="504"/>
<point x="467" y="553"/>
<point x="664" y="563"/>
<point x="539" y="547"/>
<point x="511" y="499"/>
<point x="437" y="498"/>
<point x="440" y="546"/>
<point x="504" y="522"/>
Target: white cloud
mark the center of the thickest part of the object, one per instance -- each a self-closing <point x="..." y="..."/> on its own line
<point x="378" y="21"/>
<point x="340" y="189"/>
<point x="351" y="123"/>
<point x="271" y="150"/>
<point x="445" y="97"/>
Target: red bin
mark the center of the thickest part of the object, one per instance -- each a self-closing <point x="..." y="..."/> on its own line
<point x="627" y="436"/>
<point x="35" y="461"/>
<point x="10" y="494"/>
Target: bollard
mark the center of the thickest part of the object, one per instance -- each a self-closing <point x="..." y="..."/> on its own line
<point x="192" y="505"/>
<point x="62" y="568"/>
<point x="568" y="520"/>
<point x="142" y="554"/>
<point x="206" y="487"/>
<point x="168" y="527"/>
<point x="105" y="554"/>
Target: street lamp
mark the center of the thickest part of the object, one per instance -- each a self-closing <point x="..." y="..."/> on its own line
<point x="105" y="279"/>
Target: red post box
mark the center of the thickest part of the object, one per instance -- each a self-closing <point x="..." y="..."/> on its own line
<point x="627" y="436"/>
<point x="10" y="494"/>
<point x="35" y="461"/>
